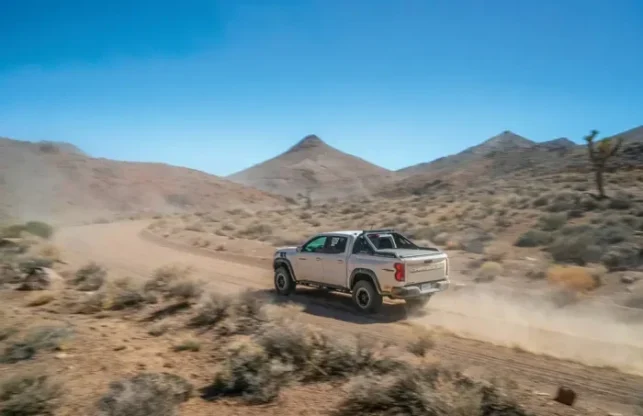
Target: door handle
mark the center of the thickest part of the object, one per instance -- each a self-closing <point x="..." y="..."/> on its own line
<point x="318" y="259"/>
<point x="340" y="261"/>
<point x="302" y="258"/>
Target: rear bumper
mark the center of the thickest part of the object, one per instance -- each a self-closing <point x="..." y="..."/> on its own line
<point x="414" y="291"/>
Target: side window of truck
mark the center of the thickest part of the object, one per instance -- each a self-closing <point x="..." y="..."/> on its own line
<point x="315" y="245"/>
<point x="361" y="246"/>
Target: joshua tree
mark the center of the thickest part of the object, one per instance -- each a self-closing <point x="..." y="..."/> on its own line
<point x="599" y="154"/>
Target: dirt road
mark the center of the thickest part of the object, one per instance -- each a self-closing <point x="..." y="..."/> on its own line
<point x="122" y="249"/>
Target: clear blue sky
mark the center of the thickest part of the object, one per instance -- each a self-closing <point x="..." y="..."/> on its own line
<point x="220" y="85"/>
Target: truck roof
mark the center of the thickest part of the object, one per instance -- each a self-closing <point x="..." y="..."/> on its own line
<point x="357" y="232"/>
<point x="345" y="232"/>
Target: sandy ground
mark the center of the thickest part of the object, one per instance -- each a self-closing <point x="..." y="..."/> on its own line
<point x="486" y="333"/>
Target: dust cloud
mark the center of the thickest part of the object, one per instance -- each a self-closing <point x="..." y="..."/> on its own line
<point x="589" y="331"/>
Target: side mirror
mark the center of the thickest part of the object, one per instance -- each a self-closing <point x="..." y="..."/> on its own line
<point x="298" y="249"/>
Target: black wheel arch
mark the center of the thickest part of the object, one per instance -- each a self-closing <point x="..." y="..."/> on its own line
<point x="284" y="262"/>
<point x="364" y="274"/>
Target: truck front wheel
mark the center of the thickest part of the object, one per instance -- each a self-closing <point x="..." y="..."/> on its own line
<point x="284" y="283"/>
<point x="366" y="298"/>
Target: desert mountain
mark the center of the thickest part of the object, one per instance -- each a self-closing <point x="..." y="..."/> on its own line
<point x="56" y="182"/>
<point x="314" y="166"/>
<point x="508" y="154"/>
<point x="503" y="142"/>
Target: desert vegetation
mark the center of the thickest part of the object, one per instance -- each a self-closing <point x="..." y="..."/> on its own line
<point x="253" y="350"/>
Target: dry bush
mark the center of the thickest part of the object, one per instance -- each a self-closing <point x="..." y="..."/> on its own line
<point x="7" y="332"/>
<point x="174" y="282"/>
<point x="29" y="395"/>
<point x="188" y="345"/>
<point x="256" y="231"/>
<point x="552" y="222"/>
<point x="90" y="277"/>
<point x="146" y="394"/>
<point x="116" y="295"/>
<point x="489" y="271"/>
<point x="240" y="314"/>
<point x="534" y="238"/>
<point x="158" y="329"/>
<point x="49" y="251"/>
<point x="575" y="278"/>
<point x="41" y="299"/>
<point x="427" y="390"/>
<point x="423" y="344"/>
<point x="576" y="248"/>
<point x="283" y="352"/>
<point x="38" y="339"/>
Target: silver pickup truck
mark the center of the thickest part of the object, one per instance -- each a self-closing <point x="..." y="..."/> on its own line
<point x="369" y="264"/>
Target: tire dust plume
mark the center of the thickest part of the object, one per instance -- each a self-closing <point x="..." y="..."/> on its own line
<point x="588" y="331"/>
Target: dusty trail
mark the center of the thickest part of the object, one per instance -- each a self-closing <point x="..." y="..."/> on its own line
<point x="121" y="248"/>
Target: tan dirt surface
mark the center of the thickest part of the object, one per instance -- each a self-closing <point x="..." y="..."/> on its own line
<point x="121" y="248"/>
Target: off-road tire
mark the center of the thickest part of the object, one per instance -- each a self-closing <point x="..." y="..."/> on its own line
<point x="366" y="298"/>
<point x="284" y="283"/>
<point x="417" y="304"/>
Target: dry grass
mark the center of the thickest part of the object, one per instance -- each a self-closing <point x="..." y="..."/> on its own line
<point x="145" y="394"/>
<point x="36" y="340"/>
<point x="575" y="278"/>
<point x="29" y="394"/>
<point x="90" y="277"/>
<point x="41" y="299"/>
<point x="488" y="271"/>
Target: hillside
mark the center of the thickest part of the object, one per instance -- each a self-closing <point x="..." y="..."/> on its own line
<point x="314" y="166"/>
<point x="56" y="182"/>
<point x="506" y="156"/>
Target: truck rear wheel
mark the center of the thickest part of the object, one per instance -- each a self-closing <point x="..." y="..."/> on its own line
<point x="366" y="298"/>
<point x="284" y="283"/>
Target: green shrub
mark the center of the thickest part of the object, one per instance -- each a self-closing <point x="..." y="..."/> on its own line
<point x="40" y="229"/>
<point x="534" y="238"/>
<point x="552" y="222"/>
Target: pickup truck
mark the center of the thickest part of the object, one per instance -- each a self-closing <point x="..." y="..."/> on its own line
<point x="368" y="264"/>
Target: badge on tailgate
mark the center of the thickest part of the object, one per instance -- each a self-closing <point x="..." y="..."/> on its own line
<point x="432" y="266"/>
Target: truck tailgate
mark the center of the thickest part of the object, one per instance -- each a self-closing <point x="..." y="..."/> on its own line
<point x="426" y="268"/>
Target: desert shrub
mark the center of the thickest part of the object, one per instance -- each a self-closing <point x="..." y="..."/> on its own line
<point x="578" y="279"/>
<point x="576" y="248"/>
<point x="241" y="314"/>
<point x="41" y="299"/>
<point x="256" y="231"/>
<point x="534" y="238"/>
<point x="7" y="332"/>
<point x="563" y="201"/>
<point x="38" y="339"/>
<point x="426" y="390"/>
<point x="284" y="352"/>
<point x="541" y="201"/>
<point x="12" y="231"/>
<point x="552" y="222"/>
<point x="29" y="395"/>
<point x="158" y="329"/>
<point x="623" y="256"/>
<point x="40" y="229"/>
<point x="423" y="344"/>
<point x="174" y="282"/>
<point x="188" y="345"/>
<point x="157" y="394"/>
<point x="90" y="277"/>
<point x="620" y="201"/>
<point x="489" y="271"/>
<point x="115" y="296"/>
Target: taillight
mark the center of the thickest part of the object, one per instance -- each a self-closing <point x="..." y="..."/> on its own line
<point x="399" y="272"/>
